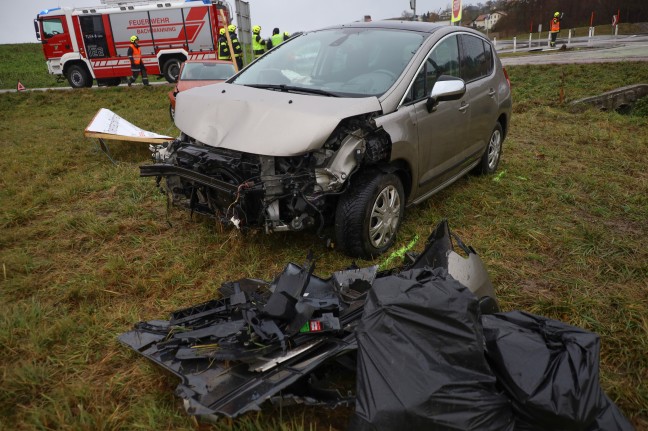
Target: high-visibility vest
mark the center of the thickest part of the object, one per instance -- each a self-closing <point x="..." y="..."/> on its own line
<point x="555" y="25"/>
<point x="277" y="39"/>
<point x="137" y="54"/>
<point x="257" y="46"/>
<point x="223" y="49"/>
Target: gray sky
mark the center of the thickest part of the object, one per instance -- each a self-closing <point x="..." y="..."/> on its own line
<point x="16" y="22"/>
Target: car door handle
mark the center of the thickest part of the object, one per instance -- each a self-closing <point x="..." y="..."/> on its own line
<point x="491" y="93"/>
<point x="464" y="106"/>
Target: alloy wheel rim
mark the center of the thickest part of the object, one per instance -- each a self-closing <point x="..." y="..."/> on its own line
<point x="385" y="215"/>
<point x="494" y="147"/>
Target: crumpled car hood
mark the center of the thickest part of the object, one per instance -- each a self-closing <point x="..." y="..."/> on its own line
<point x="265" y="122"/>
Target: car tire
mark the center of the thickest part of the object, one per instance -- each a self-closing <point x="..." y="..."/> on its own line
<point x="374" y="198"/>
<point x="171" y="70"/>
<point x="491" y="157"/>
<point x="78" y="77"/>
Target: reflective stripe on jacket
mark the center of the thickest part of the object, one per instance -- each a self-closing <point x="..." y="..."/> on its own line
<point x="236" y="45"/>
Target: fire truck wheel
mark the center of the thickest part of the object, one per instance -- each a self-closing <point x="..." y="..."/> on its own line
<point x="171" y="70"/>
<point x="78" y="77"/>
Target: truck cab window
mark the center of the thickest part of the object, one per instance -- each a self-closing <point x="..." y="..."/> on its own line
<point x="52" y="27"/>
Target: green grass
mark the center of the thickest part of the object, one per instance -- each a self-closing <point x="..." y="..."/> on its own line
<point x="86" y="250"/>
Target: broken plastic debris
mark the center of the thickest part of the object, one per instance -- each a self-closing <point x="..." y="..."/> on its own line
<point x="236" y="222"/>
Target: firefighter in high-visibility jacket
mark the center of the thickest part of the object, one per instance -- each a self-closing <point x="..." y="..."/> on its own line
<point x="555" y="27"/>
<point x="137" y="64"/>
<point x="236" y="46"/>
<point x="223" y="47"/>
<point x="276" y="39"/>
<point x="258" y="43"/>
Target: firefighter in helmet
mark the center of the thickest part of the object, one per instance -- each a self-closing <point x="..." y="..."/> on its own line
<point x="137" y="64"/>
<point x="236" y="46"/>
<point x="555" y="27"/>
<point x="223" y="47"/>
<point x="258" y="43"/>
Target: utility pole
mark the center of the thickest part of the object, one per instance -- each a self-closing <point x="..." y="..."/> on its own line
<point x="413" y="7"/>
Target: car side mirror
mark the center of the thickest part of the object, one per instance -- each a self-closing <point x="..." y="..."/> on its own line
<point x="445" y="88"/>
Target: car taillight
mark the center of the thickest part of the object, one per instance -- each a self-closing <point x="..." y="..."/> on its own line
<point x="506" y="76"/>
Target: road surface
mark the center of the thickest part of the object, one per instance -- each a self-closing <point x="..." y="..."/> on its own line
<point x="600" y="49"/>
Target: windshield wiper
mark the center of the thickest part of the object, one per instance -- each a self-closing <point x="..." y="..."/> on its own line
<point x="291" y="88"/>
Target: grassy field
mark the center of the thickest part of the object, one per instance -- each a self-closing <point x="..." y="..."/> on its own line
<point x="86" y="250"/>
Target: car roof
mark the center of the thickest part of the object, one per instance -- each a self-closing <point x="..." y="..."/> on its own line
<point x="426" y="27"/>
<point x="208" y="60"/>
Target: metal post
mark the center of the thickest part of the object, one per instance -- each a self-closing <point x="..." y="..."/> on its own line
<point x="514" y="44"/>
<point x="530" y="39"/>
<point x="569" y="38"/>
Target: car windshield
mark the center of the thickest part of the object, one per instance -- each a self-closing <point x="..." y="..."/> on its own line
<point x="349" y="62"/>
<point x="206" y="71"/>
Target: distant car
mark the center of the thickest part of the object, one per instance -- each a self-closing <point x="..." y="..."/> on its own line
<point x="343" y="127"/>
<point x="198" y="73"/>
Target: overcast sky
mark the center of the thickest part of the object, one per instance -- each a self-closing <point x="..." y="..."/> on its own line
<point x="16" y="21"/>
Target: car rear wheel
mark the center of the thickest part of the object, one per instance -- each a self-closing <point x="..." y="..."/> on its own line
<point x="369" y="214"/>
<point x="490" y="159"/>
<point x="171" y="70"/>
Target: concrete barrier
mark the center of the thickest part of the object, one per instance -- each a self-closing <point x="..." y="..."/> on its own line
<point x="620" y="99"/>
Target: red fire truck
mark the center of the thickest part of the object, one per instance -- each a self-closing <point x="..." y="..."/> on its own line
<point x="89" y="43"/>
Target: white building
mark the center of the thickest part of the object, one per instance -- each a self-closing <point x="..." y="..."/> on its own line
<point x="487" y="21"/>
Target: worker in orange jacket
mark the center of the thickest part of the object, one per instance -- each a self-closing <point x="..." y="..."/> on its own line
<point x="137" y="64"/>
<point x="555" y="27"/>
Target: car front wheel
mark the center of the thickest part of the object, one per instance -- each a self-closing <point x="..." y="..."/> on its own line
<point x="490" y="159"/>
<point x="369" y="214"/>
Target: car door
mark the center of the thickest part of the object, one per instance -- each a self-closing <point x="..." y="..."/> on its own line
<point x="477" y="70"/>
<point x="441" y="132"/>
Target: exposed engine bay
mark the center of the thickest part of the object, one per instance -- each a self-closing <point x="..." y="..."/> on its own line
<point x="271" y="192"/>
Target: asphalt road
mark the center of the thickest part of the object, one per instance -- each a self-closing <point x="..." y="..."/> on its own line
<point x="600" y="49"/>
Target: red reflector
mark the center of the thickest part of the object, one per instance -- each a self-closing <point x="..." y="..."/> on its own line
<point x="506" y="76"/>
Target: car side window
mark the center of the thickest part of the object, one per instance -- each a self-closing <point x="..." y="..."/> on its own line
<point x="443" y="60"/>
<point x="476" y="58"/>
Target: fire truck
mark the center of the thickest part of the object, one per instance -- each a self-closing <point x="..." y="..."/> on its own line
<point x="91" y="43"/>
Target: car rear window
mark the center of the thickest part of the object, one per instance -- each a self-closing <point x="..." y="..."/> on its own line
<point x="476" y="58"/>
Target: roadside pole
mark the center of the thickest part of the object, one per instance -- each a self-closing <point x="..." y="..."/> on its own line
<point x="514" y="43"/>
<point x="569" y="37"/>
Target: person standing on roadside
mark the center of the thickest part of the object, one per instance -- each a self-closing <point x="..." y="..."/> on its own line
<point x="275" y="39"/>
<point x="236" y="46"/>
<point x="258" y="43"/>
<point x="223" y="47"/>
<point x="137" y="65"/>
<point x="555" y="27"/>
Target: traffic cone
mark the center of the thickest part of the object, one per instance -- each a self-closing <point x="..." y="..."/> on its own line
<point x="19" y="86"/>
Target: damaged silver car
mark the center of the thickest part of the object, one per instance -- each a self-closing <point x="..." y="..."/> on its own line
<point x="343" y="126"/>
